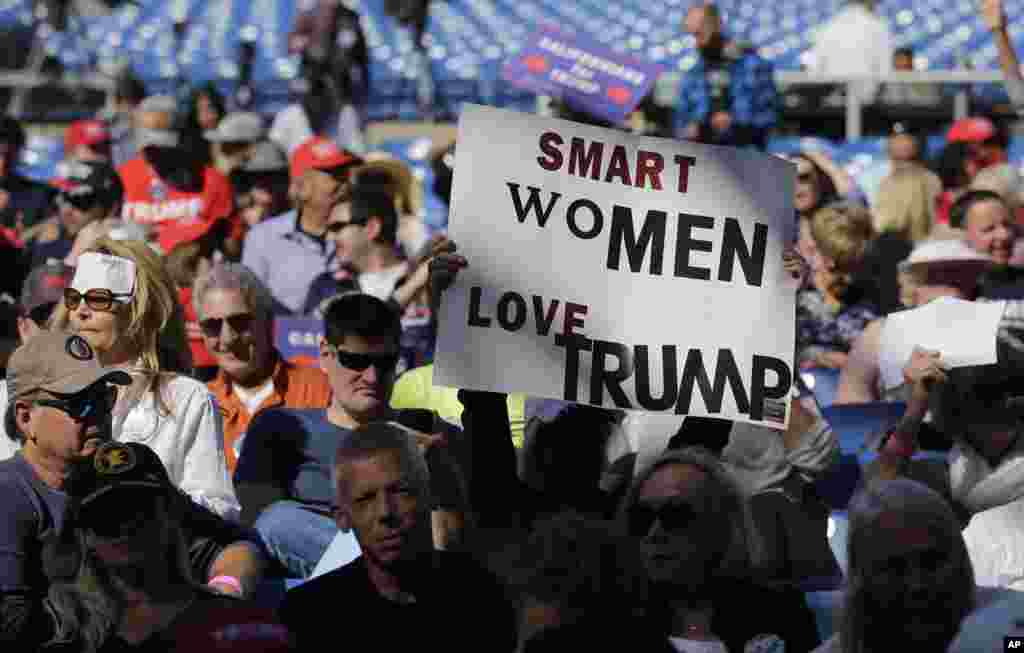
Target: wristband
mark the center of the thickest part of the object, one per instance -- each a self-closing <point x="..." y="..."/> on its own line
<point x="230" y="581"/>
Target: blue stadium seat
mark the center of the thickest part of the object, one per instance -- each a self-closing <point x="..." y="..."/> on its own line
<point x="823" y="382"/>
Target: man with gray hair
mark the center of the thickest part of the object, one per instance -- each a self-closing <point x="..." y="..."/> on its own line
<point x="383" y="495"/>
<point x="235" y="312"/>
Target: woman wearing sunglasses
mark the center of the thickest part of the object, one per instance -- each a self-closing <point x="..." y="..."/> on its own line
<point x="123" y="303"/>
<point x="701" y="551"/>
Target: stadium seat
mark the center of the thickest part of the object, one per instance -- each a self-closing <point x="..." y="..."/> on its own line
<point x="823" y="382"/>
<point x="853" y="424"/>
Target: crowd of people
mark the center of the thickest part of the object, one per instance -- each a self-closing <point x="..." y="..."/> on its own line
<point x="166" y="469"/>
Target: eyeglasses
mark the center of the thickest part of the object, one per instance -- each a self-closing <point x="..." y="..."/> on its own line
<point x="805" y="177"/>
<point x="98" y="299"/>
<point x="675" y="514"/>
<point x="133" y="513"/>
<point x="95" y="403"/>
<point x="359" y="362"/>
<point x="240" y="323"/>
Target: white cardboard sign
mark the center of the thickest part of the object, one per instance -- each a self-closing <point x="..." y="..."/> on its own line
<point x="618" y="270"/>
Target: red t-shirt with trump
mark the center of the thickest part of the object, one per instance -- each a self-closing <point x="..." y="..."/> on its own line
<point x="174" y="215"/>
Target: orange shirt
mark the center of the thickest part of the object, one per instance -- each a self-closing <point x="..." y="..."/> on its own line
<point x="294" y="387"/>
<point x="176" y="216"/>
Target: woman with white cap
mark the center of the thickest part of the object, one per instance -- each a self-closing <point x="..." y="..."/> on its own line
<point x="123" y="303"/>
<point x="935" y="268"/>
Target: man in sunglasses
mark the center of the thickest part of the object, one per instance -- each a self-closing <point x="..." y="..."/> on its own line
<point x="42" y="290"/>
<point x="89" y="192"/>
<point x="283" y="477"/>
<point x="235" y="315"/>
<point x="61" y="400"/>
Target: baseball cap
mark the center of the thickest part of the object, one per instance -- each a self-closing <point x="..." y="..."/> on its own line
<point x="57" y="362"/>
<point x="156" y="138"/>
<point x="116" y="466"/>
<point x="238" y="127"/>
<point x="80" y="179"/>
<point x="971" y="130"/>
<point x="319" y="153"/>
<point x="44" y="285"/>
<point x="86" y="132"/>
<point x="158" y="104"/>
<point x="266" y="157"/>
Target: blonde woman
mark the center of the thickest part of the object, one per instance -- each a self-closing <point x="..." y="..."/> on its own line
<point x="832" y="312"/>
<point x="124" y="304"/>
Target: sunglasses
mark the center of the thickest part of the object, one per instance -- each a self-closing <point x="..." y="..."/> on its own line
<point x="675" y="514"/>
<point x="805" y="177"/>
<point x="359" y="362"/>
<point x="240" y="323"/>
<point x="93" y="404"/>
<point x="40" y="314"/>
<point x="335" y="228"/>
<point x="82" y="202"/>
<point x="133" y="512"/>
<point x="98" y="299"/>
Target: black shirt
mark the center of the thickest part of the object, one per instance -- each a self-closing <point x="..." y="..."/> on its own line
<point x="742" y="610"/>
<point x="459" y="607"/>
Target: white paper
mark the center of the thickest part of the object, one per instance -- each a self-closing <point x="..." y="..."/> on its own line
<point x="963" y="332"/>
<point x="97" y="270"/>
<point x="628" y="305"/>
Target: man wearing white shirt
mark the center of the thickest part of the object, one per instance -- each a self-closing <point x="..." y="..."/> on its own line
<point x="854" y="42"/>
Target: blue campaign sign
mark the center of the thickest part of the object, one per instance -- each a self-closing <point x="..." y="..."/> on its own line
<point x="298" y="338"/>
<point x="584" y="73"/>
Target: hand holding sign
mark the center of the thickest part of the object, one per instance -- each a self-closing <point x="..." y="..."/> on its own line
<point x="923" y="372"/>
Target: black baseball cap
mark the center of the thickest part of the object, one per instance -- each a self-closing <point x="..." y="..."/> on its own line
<point x="89" y="179"/>
<point x="118" y="467"/>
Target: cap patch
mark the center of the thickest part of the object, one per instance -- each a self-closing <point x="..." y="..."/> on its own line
<point x="114" y="458"/>
<point x="78" y="348"/>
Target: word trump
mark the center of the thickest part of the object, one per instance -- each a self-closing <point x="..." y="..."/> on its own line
<point x="613" y="364"/>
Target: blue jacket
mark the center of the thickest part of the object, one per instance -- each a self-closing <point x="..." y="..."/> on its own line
<point x="755" y="99"/>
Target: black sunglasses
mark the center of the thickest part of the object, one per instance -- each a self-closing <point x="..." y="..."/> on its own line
<point x="359" y="362"/>
<point x="133" y="512"/>
<point x="93" y="404"/>
<point x="98" y="299"/>
<point x="805" y="177"/>
<point x="81" y="201"/>
<point x="338" y="227"/>
<point x="40" y="314"/>
<point x="675" y="514"/>
<point x="240" y="323"/>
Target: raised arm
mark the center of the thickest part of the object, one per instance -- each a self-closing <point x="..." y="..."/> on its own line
<point x="858" y="381"/>
<point x="995" y="17"/>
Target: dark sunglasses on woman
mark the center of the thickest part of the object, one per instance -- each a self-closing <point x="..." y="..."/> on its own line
<point x="98" y="299"/>
<point x="675" y="514"/>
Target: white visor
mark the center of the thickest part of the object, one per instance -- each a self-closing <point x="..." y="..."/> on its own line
<point x="113" y="273"/>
